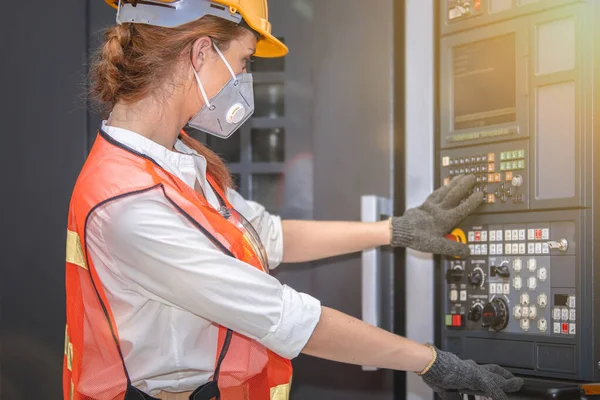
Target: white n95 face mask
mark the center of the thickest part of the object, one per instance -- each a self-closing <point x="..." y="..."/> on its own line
<point x="228" y="109"/>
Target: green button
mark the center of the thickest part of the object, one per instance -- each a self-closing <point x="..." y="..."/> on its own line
<point x="515" y="165"/>
<point x="515" y="155"/>
<point x="521" y="164"/>
<point x="448" y="320"/>
<point x="503" y="156"/>
<point x="502" y="166"/>
<point x="521" y="153"/>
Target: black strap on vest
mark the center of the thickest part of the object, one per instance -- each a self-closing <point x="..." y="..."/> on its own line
<point x="208" y="391"/>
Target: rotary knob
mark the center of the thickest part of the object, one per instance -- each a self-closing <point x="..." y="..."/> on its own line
<point x="475" y="313"/>
<point x="454" y="275"/>
<point x="476" y="277"/>
<point x="517" y="180"/>
<point x="495" y="315"/>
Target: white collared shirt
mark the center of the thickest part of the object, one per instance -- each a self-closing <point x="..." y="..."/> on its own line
<point x="167" y="284"/>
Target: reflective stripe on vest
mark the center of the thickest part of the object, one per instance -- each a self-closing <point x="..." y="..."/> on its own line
<point x="93" y="363"/>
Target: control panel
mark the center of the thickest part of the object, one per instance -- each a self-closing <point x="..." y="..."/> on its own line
<point x="501" y="170"/>
<point x="519" y="105"/>
<point x="520" y="285"/>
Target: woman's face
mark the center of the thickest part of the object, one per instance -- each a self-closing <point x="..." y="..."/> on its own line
<point x="210" y="67"/>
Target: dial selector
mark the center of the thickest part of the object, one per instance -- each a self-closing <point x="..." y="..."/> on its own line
<point x="495" y="315"/>
<point x="476" y="277"/>
<point x="475" y="313"/>
<point x="454" y="275"/>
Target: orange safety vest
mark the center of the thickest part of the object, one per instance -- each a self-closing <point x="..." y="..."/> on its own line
<point x="94" y="367"/>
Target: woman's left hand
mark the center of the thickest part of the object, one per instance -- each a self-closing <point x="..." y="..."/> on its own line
<point x="424" y="228"/>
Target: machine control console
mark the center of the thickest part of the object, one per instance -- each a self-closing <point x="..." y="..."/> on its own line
<point x="506" y="285"/>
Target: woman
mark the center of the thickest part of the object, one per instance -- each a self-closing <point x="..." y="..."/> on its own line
<point x="168" y="291"/>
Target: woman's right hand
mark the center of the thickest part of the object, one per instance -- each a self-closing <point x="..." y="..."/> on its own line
<point x="449" y="374"/>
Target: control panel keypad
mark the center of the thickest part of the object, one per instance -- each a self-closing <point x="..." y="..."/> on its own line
<point x="509" y="281"/>
<point x="501" y="174"/>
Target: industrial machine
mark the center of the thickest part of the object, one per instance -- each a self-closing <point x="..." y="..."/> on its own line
<point x="519" y="94"/>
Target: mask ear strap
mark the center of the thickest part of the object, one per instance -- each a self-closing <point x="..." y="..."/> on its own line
<point x="225" y="61"/>
<point x="202" y="89"/>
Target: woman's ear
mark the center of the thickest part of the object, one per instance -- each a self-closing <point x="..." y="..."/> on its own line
<point x="200" y="50"/>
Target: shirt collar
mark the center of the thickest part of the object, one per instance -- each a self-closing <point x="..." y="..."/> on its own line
<point x="185" y="163"/>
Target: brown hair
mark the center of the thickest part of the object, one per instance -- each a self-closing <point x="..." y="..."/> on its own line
<point x="137" y="59"/>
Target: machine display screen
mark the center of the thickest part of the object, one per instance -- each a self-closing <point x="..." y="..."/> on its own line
<point x="485" y="83"/>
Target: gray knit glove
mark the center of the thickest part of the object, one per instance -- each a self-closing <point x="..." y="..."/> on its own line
<point x="449" y="375"/>
<point x="424" y="228"/>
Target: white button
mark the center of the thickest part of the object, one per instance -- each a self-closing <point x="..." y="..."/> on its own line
<point x="515" y="248"/>
<point x="484" y="236"/>
<point x="572" y="314"/>
<point x="538" y="248"/>
<point x="532" y="312"/>
<point x="506" y="288"/>
<point x="499" y="235"/>
<point x="542" y="325"/>
<point x="545" y="248"/>
<point x="556" y="327"/>
<point x="445" y="161"/>
<point x="517" y="312"/>
<point x="492" y="249"/>
<point x="515" y="234"/>
<point x="525" y="299"/>
<point x="571" y="329"/>
<point x="545" y="234"/>
<point x="530" y="234"/>
<point x="525" y="312"/>
<point x="521" y="248"/>
<point x="531" y="264"/>
<point x="565" y="314"/>
<point x="572" y="301"/>
<point x="477" y="249"/>
<point x="471" y="236"/>
<point x="499" y="249"/>
<point x="507" y="248"/>
<point x="525" y="324"/>
<point x="507" y="235"/>
<point x="556" y="314"/>
<point x="542" y="300"/>
<point x="484" y="249"/>
<point x="521" y="234"/>
<point x="532" y="283"/>
<point x="517" y="283"/>
<point x="472" y="248"/>
<point x="492" y="236"/>
<point x="517" y="264"/>
<point x="492" y="288"/>
<point x="499" y="288"/>
<point x="453" y="295"/>
<point x="463" y="295"/>
<point x="542" y="274"/>
<point x="530" y="248"/>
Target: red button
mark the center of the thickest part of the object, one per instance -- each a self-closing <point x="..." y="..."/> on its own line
<point x="538" y="234"/>
<point x="477" y="236"/>
<point x="477" y="4"/>
<point x="457" y="320"/>
<point x="565" y="328"/>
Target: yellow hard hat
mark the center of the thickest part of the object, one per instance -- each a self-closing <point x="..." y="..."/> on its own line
<point x="171" y="13"/>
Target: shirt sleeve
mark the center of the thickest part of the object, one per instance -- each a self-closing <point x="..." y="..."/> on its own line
<point x="168" y="260"/>
<point x="267" y="226"/>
